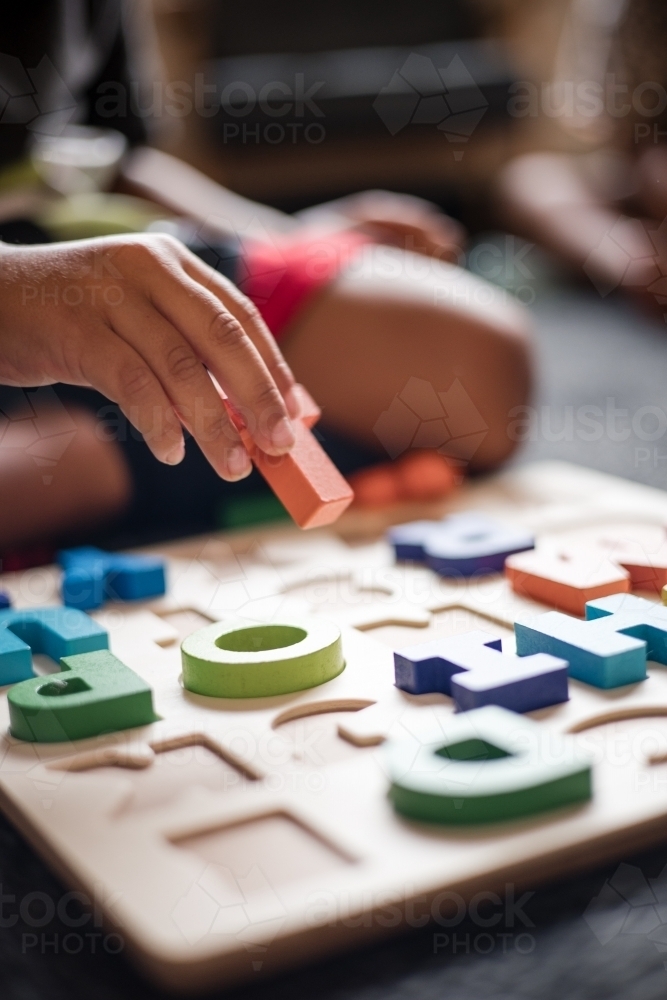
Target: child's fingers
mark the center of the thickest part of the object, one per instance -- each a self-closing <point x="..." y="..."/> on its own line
<point x="222" y="344"/>
<point x="113" y="367"/>
<point x="250" y="319"/>
<point x="186" y="383"/>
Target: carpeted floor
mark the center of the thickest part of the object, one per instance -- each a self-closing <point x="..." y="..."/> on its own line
<point x="601" y="397"/>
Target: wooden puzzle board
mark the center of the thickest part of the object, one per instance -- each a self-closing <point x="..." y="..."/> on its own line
<point x="235" y="838"/>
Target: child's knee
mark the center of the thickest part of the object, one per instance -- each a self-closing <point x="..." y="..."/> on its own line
<point x="511" y="370"/>
<point x="66" y="478"/>
<point x="97" y="467"/>
<point x="494" y="364"/>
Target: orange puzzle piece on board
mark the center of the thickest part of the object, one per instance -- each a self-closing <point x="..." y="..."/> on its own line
<point x="305" y="480"/>
<point x="594" y="562"/>
<point x="563" y="580"/>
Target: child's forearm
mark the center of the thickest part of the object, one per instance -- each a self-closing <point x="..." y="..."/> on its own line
<point x="184" y="190"/>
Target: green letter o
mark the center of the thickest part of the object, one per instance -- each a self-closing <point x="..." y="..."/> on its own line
<point x="243" y="659"/>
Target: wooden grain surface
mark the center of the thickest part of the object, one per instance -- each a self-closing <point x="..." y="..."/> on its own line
<point x="263" y="839"/>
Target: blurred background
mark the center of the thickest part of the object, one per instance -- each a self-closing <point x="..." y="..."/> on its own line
<point x="536" y="125"/>
<point x="377" y="117"/>
<point x="366" y="128"/>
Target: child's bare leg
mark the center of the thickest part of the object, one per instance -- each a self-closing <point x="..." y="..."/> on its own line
<point x="651" y="173"/>
<point x="86" y="485"/>
<point x="394" y="315"/>
<point x="545" y="197"/>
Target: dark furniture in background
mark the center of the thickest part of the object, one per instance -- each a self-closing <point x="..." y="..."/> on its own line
<point x="313" y="101"/>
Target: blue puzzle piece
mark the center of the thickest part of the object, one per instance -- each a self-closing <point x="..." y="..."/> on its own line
<point x="430" y="666"/>
<point x="92" y="577"/>
<point x="5" y="600"/>
<point x="473" y="669"/>
<point x="15" y="658"/>
<point x="473" y="543"/>
<point x="616" y="604"/>
<point x="607" y="650"/>
<point x="461" y="545"/>
<point x="57" y="632"/>
<point x="408" y="540"/>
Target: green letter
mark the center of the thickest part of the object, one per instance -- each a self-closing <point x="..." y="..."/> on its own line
<point x="93" y="694"/>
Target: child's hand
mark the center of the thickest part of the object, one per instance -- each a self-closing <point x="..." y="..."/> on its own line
<point x="141" y="319"/>
<point x="408" y="222"/>
<point x="400" y="220"/>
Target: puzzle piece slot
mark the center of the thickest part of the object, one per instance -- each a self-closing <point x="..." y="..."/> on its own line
<point x="176" y="772"/>
<point x="133" y="758"/>
<point x="335" y="590"/>
<point x="185" y="621"/>
<point x="357" y="604"/>
<point x="398" y="712"/>
<point x="403" y="615"/>
<point x="320" y="708"/>
<point x="312" y="737"/>
<point x="619" y="715"/>
<point x="174" y="765"/>
<point x="628" y="741"/>
<point x="212" y="746"/>
<point x="281" y="847"/>
<point x="450" y="621"/>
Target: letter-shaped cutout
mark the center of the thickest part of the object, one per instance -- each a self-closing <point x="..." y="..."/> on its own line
<point x="461" y="545"/>
<point x="607" y="650"/>
<point x="473" y="669"/>
<point x="94" y="693"/>
<point x="92" y="577"/>
<point x="489" y="765"/>
<point x="569" y="570"/>
<point x="57" y="632"/>
<point x="248" y="659"/>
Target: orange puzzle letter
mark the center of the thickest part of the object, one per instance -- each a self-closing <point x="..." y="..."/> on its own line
<point x="563" y="580"/>
<point x="305" y="480"/>
<point x="583" y="565"/>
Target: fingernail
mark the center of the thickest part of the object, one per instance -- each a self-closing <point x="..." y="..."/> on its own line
<point x="282" y="435"/>
<point x="238" y="462"/>
<point x="176" y="455"/>
<point x="293" y="402"/>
